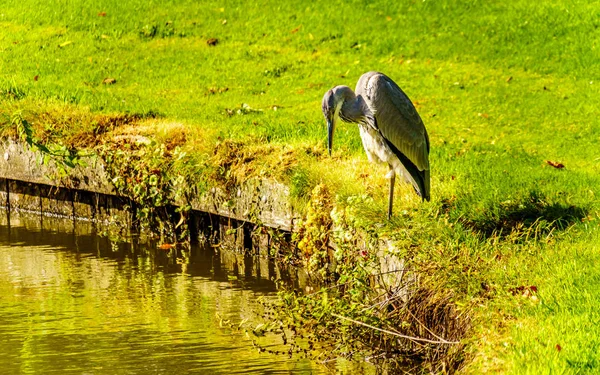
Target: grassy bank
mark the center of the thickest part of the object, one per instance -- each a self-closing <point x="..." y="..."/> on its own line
<point x="502" y="88"/>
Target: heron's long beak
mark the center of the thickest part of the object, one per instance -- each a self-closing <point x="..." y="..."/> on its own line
<point x="330" y="130"/>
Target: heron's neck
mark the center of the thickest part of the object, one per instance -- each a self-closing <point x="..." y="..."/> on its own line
<point x="354" y="110"/>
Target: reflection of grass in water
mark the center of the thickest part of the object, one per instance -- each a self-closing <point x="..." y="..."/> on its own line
<point x="502" y="87"/>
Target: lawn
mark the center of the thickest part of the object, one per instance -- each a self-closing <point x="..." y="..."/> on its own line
<point x="503" y="88"/>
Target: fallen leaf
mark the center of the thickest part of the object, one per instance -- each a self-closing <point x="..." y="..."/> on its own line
<point x="109" y="81"/>
<point x="296" y="29"/>
<point x="167" y="246"/>
<point x="212" y="41"/>
<point x="509" y="79"/>
<point x="555" y="164"/>
<point x="215" y="90"/>
<point x="36" y="78"/>
<point x="181" y="221"/>
<point x="484" y="115"/>
<point x="102" y="14"/>
<point x="558" y="347"/>
<point x="65" y="44"/>
<point x="524" y="291"/>
<point x="388" y="18"/>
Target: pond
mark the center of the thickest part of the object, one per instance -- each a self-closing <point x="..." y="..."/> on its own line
<point x="72" y="301"/>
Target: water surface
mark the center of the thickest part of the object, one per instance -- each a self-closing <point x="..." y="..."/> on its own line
<point x="75" y="302"/>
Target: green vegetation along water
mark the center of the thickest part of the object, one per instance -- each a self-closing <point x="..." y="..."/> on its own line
<point x="75" y="302"/>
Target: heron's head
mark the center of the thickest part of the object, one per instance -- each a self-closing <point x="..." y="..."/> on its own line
<point x="332" y="102"/>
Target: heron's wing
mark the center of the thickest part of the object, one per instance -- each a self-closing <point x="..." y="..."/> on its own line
<point x="397" y="118"/>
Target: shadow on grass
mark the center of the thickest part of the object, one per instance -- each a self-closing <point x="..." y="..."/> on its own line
<point x="529" y="218"/>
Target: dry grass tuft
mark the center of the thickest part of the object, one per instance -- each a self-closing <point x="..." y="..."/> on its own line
<point x="234" y="162"/>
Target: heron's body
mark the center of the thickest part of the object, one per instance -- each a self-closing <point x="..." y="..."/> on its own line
<point x="391" y="130"/>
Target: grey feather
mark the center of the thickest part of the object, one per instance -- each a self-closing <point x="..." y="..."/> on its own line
<point x="396" y="116"/>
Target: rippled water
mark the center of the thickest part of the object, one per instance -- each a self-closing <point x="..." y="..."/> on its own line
<point x="74" y="302"/>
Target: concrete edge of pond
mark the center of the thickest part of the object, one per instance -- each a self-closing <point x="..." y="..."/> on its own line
<point x="263" y="201"/>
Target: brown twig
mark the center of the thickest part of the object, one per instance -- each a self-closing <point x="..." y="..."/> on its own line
<point x="418" y="339"/>
<point x="423" y="325"/>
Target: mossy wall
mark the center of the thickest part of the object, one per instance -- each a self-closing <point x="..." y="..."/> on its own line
<point x="252" y="217"/>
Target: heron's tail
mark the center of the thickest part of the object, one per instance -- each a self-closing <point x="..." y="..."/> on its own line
<point x="426" y="185"/>
<point x="420" y="182"/>
<point x="418" y="179"/>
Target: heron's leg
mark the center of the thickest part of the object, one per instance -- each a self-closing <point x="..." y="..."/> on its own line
<point x="391" y="200"/>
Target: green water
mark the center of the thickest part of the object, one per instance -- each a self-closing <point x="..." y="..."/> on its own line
<point x="74" y="302"/>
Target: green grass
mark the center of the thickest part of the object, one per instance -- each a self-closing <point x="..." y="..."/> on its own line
<point x="501" y="86"/>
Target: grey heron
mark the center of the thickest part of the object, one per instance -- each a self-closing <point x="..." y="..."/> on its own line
<point x="392" y="131"/>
